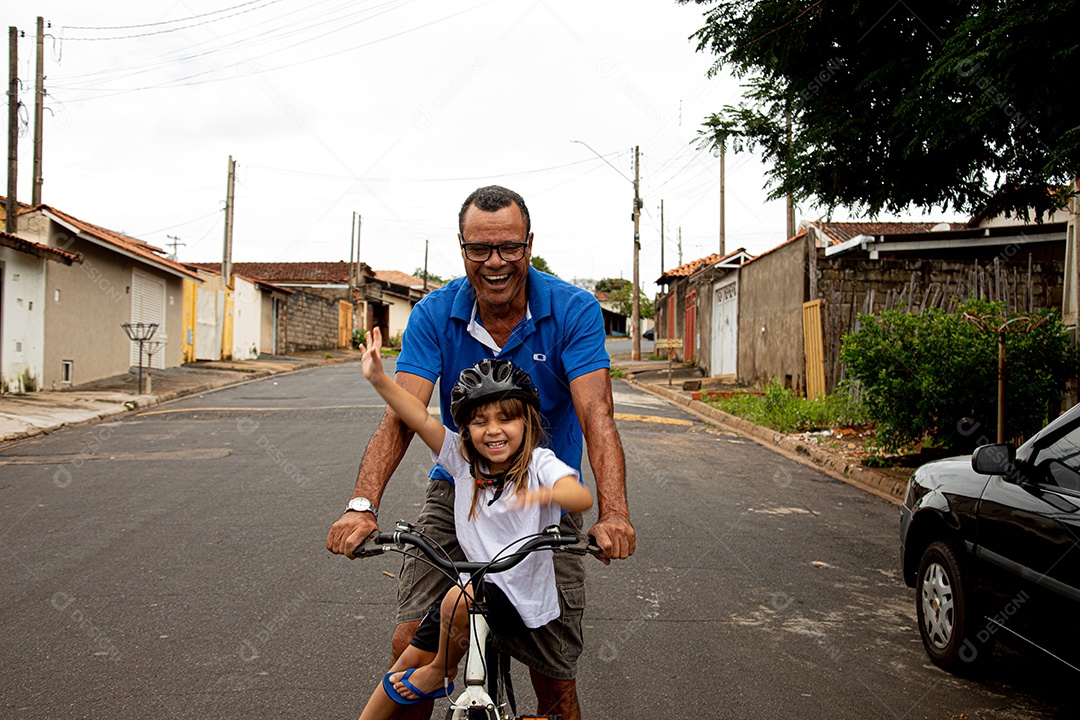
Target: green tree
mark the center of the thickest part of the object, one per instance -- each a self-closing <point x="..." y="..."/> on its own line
<point x="957" y="104"/>
<point x="622" y="298"/>
<point x="419" y="272"/>
<point x="607" y="285"/>
<point x="541" y="264"/>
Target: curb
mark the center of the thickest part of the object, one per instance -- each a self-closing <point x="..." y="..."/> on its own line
<point x="868" y="480"/>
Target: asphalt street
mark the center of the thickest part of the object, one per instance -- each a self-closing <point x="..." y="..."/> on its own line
<point x="171" y="564"/>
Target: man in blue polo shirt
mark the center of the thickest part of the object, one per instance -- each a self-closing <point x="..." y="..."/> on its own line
<point x="504" y="308"/>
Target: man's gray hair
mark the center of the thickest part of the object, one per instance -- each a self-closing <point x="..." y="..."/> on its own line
<point x="492" y="198"/>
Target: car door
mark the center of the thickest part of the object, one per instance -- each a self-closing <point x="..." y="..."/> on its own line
<point x="1028" y="540"/>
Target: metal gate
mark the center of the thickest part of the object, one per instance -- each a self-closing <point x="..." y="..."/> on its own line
<point x="148" y="306"/>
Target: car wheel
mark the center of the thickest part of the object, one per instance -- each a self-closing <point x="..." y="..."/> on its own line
<point x="947" y="620"/>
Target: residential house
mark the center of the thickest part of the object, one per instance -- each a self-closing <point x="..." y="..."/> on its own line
<point x="795" y="302"/>
<point x="239" y="322"/>
<point x="398" y="293"/>
<point x="690" y="308"/>
<point x="329" y="299"/>
<point x="23" y="267"/>
<point x="116" y="280"/>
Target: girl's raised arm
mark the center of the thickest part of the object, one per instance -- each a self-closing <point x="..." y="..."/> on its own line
<point x="407" y="406"/>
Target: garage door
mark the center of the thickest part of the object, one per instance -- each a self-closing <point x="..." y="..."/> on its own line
<point x="148" y="306"/>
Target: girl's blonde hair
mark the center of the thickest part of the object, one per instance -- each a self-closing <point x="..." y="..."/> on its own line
<point x="534" y="436"/>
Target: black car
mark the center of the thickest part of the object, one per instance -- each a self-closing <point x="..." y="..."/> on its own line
<point x="991" y="544"/>
<point x="649" y="334"/>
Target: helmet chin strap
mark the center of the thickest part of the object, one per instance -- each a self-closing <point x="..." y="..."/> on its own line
<point x="497" y="481"/>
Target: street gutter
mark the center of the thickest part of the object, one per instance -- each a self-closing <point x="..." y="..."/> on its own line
<point x="851" y="472"/>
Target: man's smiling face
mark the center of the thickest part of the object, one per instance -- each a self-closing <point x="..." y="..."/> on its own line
<point x="498" y="283"/>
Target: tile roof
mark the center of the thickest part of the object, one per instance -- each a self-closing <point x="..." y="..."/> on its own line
<point x="399" y="278"/>
<point x="840" y="232"/>
<point x="133" y="246"/>
<point x="688" y="269"/>
<point x="289" y="272"/>
<point x="38" y="250"/>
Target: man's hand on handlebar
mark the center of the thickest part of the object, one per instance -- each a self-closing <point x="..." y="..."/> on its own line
<point x="351" y="531"/>
<point x="616" y="538"/>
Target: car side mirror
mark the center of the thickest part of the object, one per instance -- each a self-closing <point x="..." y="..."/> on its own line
<point x="999" y="459"/>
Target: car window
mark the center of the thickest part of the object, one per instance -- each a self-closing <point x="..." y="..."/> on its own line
<point x="1059" y="463"/>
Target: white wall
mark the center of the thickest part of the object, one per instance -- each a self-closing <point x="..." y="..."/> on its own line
<point x="247" y="319"/>
<point x="400" y="309"/>
<point x="23" y="319"/>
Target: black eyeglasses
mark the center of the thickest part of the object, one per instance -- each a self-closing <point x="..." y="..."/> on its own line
<point x="508" y="251"/>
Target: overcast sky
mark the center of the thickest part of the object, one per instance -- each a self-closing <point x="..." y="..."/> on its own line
<point x="396" y="110"/>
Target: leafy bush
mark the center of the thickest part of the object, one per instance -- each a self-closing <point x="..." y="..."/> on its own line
<point x="784" y="410"/>
<point x="933" y="376"/>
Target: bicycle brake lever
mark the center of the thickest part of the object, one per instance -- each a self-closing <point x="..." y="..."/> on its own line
<point x="365" y="552"/>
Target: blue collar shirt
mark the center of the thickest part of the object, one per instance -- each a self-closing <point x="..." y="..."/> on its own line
<point x="560" y="338"/>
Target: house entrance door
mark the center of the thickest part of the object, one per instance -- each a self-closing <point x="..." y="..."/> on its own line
<point x="725" y="330"/>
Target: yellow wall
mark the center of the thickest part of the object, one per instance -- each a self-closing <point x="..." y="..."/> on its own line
<point x="187" y="341"/>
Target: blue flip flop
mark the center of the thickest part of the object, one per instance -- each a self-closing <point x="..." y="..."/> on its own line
<point x="420" y="696"/>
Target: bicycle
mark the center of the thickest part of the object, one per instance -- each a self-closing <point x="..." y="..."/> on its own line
<point x="488" y="693"/>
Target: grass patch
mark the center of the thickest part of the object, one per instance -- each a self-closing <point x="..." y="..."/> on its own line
<point x="785" y="411"/>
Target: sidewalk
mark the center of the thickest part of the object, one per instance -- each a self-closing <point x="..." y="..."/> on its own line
<point x="23" y="416"/>
<point x="652" y="377"/>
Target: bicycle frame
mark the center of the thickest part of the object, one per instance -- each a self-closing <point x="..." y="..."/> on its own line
<point x="477" y="696"/>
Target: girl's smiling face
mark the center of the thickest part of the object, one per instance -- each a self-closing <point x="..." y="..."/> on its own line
<point x="496" y="436"/>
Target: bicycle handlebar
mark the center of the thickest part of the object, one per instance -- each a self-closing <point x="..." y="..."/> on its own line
<point x="551" y="539"/>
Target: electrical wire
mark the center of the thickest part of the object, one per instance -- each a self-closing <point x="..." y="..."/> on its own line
<point x="301" y="173"/>
<point x="169" y="30"/>
<point x="181" y="81"/>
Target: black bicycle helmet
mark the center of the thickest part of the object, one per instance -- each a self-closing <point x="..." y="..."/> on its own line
<point x="489" y="381"/>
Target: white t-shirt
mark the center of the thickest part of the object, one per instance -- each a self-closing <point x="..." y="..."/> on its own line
<point x="530" y="585"/>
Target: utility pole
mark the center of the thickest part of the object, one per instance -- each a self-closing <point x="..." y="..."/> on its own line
<point x="13" y="128"/>
<point x="661" y="237"/>
<point x="39" y="110"/>
<point x="226" y="262"/>
<point x="360" y="226"/>
<point x="425" y="264"/>
<point x="176" y="245"/>
<point x="680" y="246"/>
<point x="635" y="314"/>
<point x="352" y="245"/>
<point x="723" y="231"/>
<point x="790" y="199"/>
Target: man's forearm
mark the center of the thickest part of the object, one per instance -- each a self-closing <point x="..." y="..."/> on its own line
<point x="383" y="455"/>
<point x="608" y="465"/>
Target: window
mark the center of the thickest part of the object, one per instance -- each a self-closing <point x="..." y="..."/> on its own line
<point x="67" y="371"/>
<point x="1060" y="462"/>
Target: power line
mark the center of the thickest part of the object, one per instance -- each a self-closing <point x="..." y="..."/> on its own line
<point x="162" y="22"/>
<point x="301" y="173"/>
<point x="168" y="30"/>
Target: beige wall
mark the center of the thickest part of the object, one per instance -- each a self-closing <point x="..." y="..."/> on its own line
<point x="772" y="289"/>
<point x="85" y="305"/>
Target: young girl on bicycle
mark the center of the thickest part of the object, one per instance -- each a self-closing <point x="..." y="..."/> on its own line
<point x="507" y="487"/>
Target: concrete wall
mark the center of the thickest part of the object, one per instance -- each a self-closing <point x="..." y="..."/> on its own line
<point x="312" y="322"/>
<point x="266" y="325"/>
<point x="772" y="289"/>
<point x="848" y="284"/>
<point x="247" y="320"/>
<point x="22" y="320"/>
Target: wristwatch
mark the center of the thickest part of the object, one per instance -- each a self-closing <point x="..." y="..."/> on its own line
<point x="362" y="504"/>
